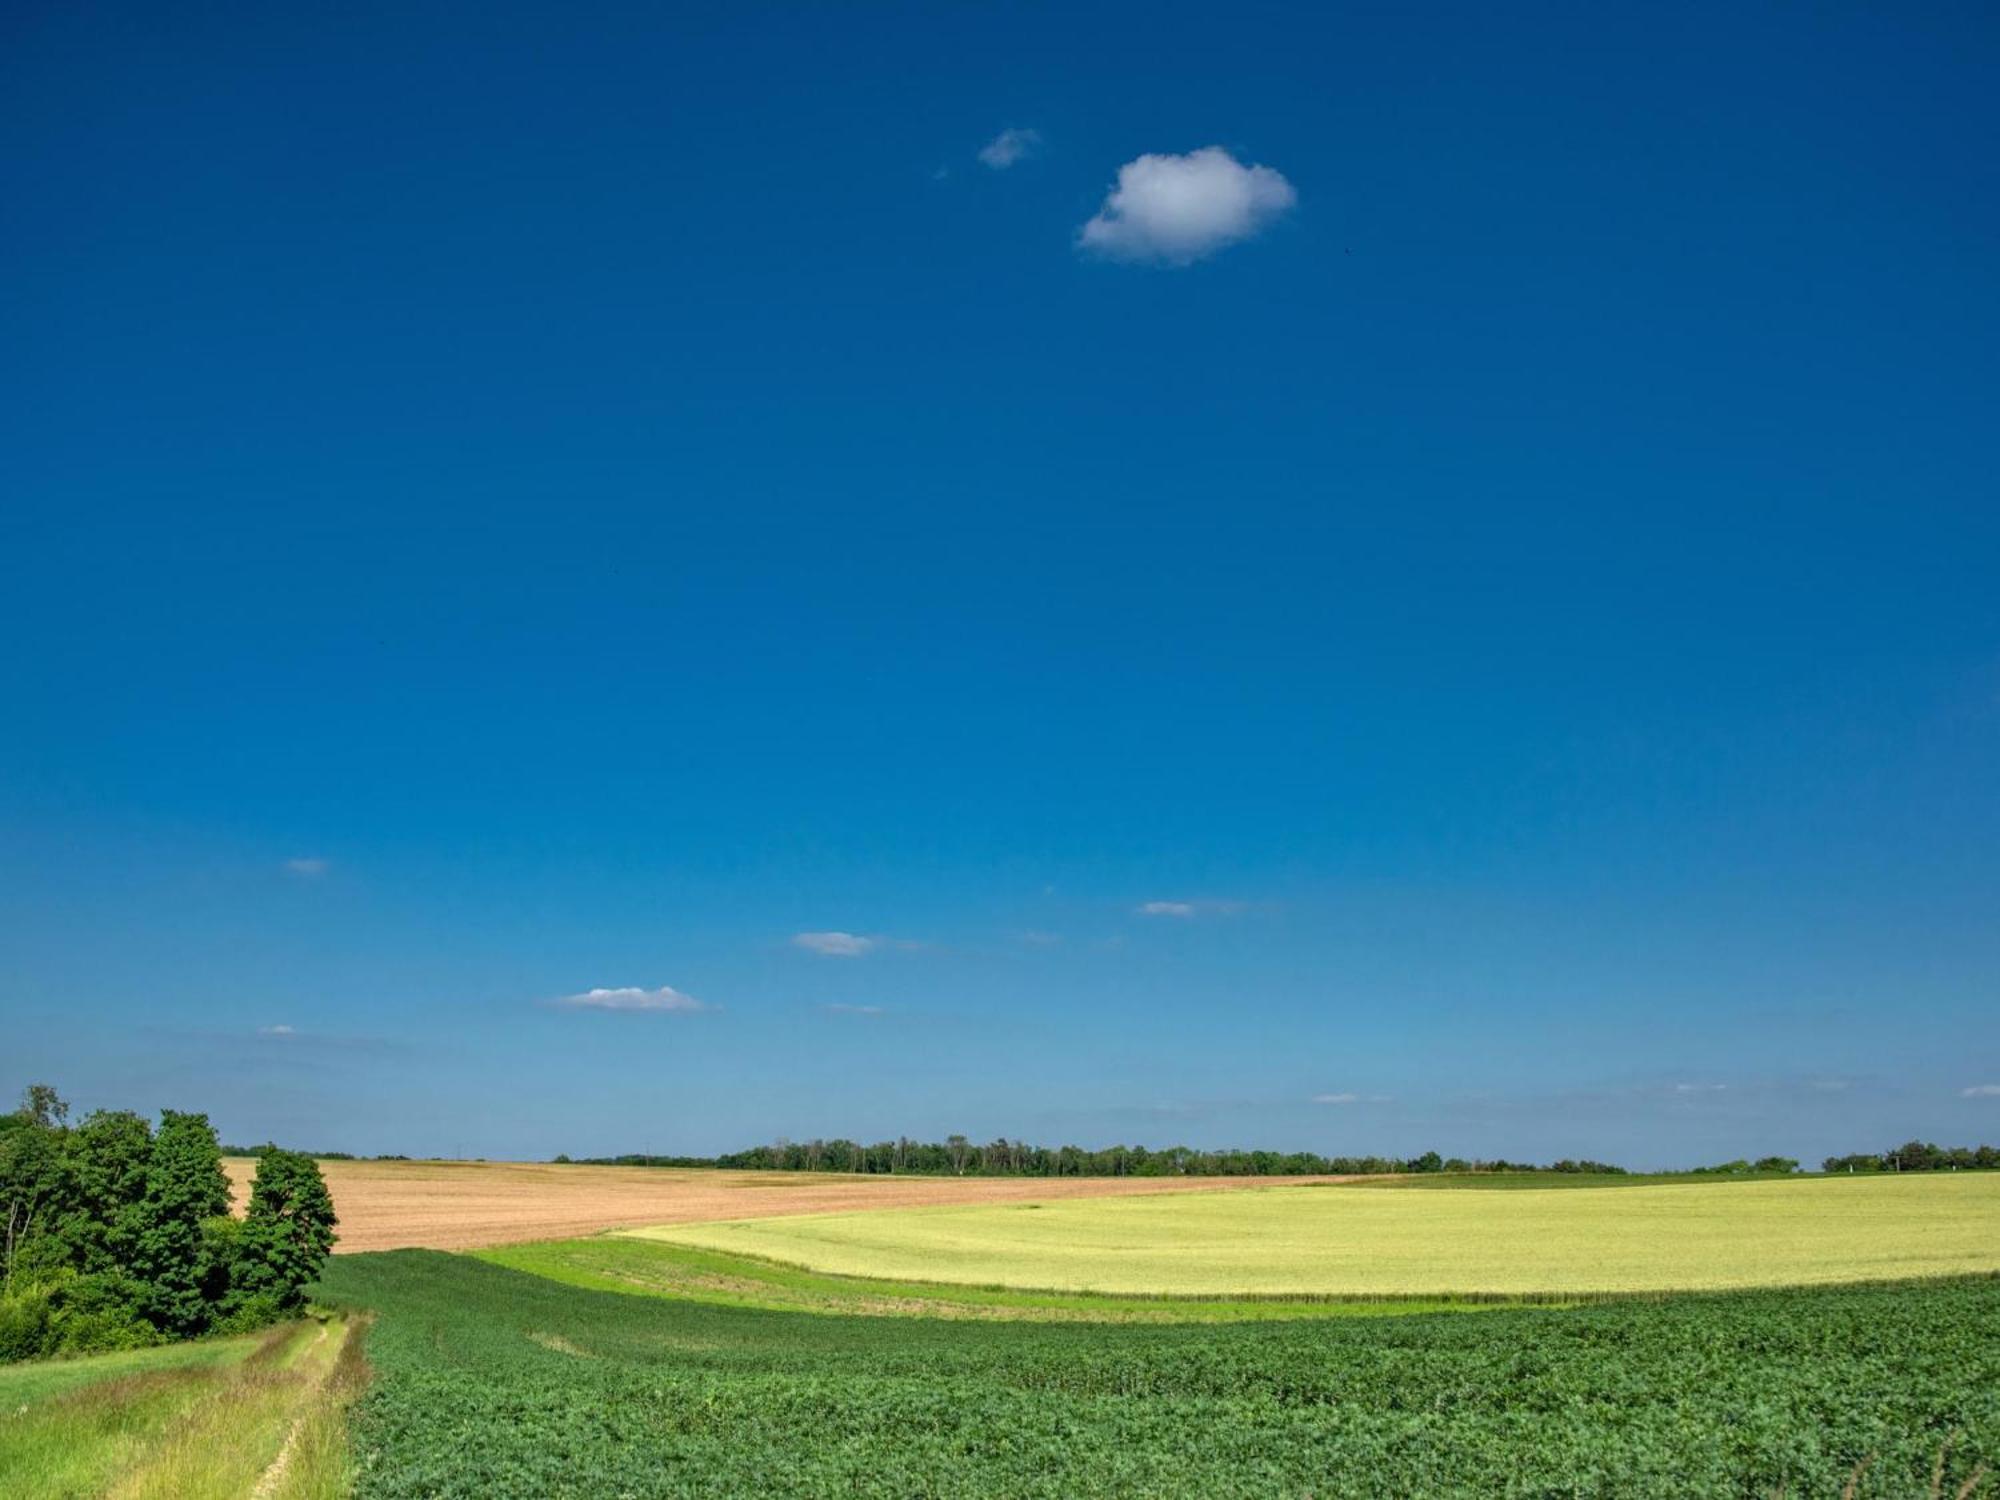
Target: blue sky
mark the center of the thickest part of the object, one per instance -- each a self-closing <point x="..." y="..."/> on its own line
<point x="1500" y="555"/>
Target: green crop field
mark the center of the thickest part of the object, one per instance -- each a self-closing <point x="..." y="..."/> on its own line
<point x="494" y="1382"/>
<point x="1343" y="1241"/>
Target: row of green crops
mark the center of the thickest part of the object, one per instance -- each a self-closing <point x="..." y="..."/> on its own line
<point x="492" y="1382"/>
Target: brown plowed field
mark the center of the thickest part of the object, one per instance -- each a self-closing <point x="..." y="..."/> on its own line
<point x="453" y="1205"/>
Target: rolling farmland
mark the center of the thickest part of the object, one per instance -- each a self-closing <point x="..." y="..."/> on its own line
<point x="1027" y="1338"/>
<point x="462" y="1205"/>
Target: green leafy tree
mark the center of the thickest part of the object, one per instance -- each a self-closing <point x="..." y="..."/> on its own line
<point x="185" y="1187"/>
<point x="288" y="1232"/>
<point x="31" y="1180"/>
<point x="108" y="1158"/>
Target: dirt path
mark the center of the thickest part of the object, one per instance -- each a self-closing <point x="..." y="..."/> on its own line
<point x="280" y="1467"/>
<point x="441" y="1205"/>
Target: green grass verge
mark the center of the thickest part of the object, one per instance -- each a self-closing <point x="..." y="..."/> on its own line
<point x="495" y="1383"/>
<point x="1501" y="1181"/>
<point x="1307" y="1241"/>
<point x="26" y="1384"/>
<point x="653" y="1268"/>
<point x="185" y="1422"/>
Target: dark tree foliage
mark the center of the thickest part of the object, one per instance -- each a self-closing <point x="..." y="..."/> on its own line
<point x="110" y="1156"/>
<point x="288" y="1232"/>
<point x="112" y="1235"/>
<point x="174" y="1258"/>
<point x="31" y="1181"/>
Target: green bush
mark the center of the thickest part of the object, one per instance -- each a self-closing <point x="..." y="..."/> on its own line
<point x="25" y="1315"/>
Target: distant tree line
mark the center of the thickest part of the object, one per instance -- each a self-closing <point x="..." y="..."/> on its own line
<point x="1741" y="1167"/>
<point x="1919" y="1156"/>
<point x="317" y="1157"/>
<point x="115" y="1234"/>
<point x="957" y="1156"/>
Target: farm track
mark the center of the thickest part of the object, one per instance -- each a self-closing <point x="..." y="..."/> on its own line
<point x="448" y="1205"/>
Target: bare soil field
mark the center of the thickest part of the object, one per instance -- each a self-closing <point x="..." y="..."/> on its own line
<point x="454" y="1205"/>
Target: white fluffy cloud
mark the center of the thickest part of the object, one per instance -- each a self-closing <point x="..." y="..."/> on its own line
<point x="1008" y="147"/>
<point x="1175" y="210"/>
<point x="1981" y="1091"/>
<point x="833" y="944"/>
<point x="631" y="997"/>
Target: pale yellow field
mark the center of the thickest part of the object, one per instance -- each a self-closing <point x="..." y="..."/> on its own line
<point x="1344" y="1241"/>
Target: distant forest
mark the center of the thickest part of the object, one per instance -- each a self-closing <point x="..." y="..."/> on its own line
<point x="957" y="1156"/>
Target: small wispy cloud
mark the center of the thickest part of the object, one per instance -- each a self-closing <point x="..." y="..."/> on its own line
<point x="1036" y="939"/>
<point x="1184" y="910"/>
<point x="1009" y="146"/>
<point x="1336" y="1098"/>
<point x="835" y="944"/>
<point x="1981" y="1091"/>
<point x="277" y="1031"/>
<point x="1699" y="1088"/>
<point x="307" y="867"/>
<point x="841" y="1008"/>
<point x="1175" y="210"/>
<point x="631" y="997"/>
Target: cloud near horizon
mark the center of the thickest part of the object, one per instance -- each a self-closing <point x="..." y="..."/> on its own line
<point x="631" y="997"/>
<point x="834" y="944"/>
<point x="1009" y="146"/>
<point x="1175" y="210"/>
<point x="1182" y="910"/>
<point x="1981" y="1091"/>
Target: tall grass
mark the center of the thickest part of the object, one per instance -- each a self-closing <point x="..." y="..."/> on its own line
<point x="213" y="1429"/>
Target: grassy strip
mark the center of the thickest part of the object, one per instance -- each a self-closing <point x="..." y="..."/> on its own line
<point x="317" y="1462"/>
<point x="195" y="1421"/>
<point x="654" y="1268"/>
<point x="27" y="1384"/>
<point x="79" y="1439"/>
<point x="1502" y="1181"/>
